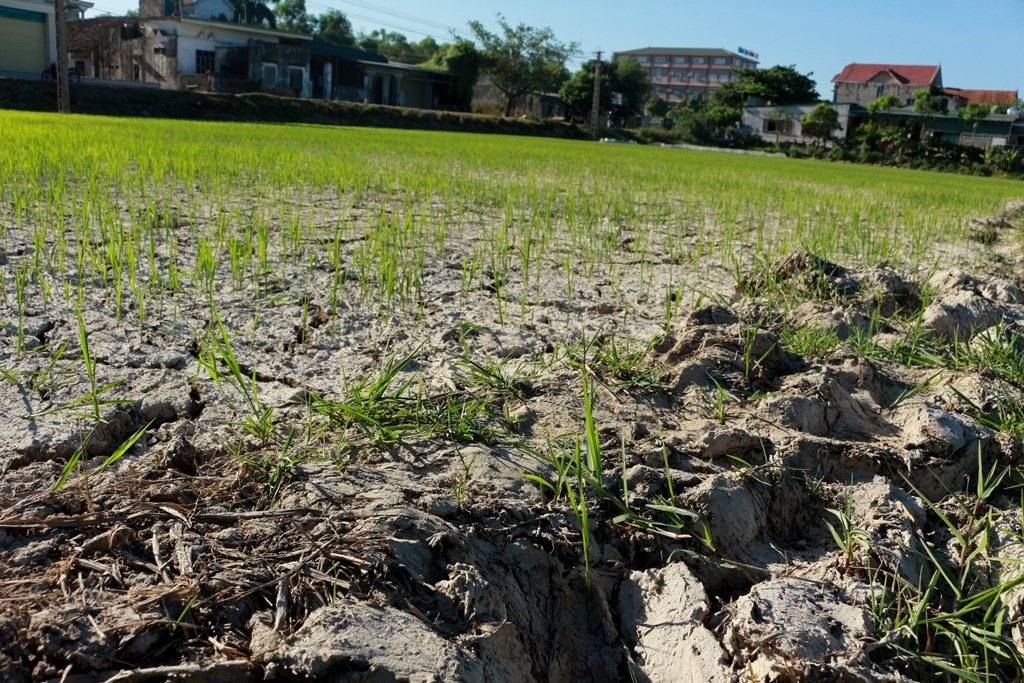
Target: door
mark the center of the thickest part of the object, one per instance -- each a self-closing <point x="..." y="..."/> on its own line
<point x="23" y="36"/>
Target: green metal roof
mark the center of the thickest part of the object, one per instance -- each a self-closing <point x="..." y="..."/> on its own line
<point x="322" y="48"/>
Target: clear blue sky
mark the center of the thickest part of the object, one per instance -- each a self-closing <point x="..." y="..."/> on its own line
<point x="978" y="44"/>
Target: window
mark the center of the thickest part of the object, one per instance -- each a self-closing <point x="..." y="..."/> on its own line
<point x="661" y="59"/>
<point x="697" y="76"/>
<point x="698" y="60"/>
<point x="677" y="75"/>
<point x="737" y="62"/>
<point x="659" y="74"/>
<point x="713" y="77"/>
<point x="204" y="61"/>
<point x="719" y="60"/>
<point x="269" y="75"/>
<point x="675" y="92"/>
<point x="679" y="60"/>
<point x="643" y="59"/>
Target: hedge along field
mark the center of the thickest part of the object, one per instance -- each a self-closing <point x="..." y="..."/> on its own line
<point x="102" y="192"/>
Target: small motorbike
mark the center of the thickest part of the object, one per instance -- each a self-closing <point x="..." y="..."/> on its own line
<point x="50" y="74"/>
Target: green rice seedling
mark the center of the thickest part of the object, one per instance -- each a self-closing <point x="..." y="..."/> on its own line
<point x="93" y="400"/>
<point x="849" y="537"/>
<point x="675" y="523"/>
<point x="216" y="349"/>
<point x="927" y="385"/>
<point x="953" y="621"/>
<point x="808" y="341"/>
<point x="719" y="400"/>
<point x="749" y="333"/>
<point x="73" y="462"/>
<point x="590" y="427"/>
<point x="21" y="277"/>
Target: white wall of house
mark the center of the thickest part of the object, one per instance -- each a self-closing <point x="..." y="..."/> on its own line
<point x="28" y="35"/>
<point x="192" y="39"/>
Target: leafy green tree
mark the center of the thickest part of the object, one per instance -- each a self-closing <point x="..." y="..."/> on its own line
<point x="522" y="59"/>
<point x="974" y="114"/>
<point x="578" y="92"/>
<point x="630" y="80"/>
<point x="254" y="13"/>
<point x="462" y="60"/>
<point x="656" y="106"/>
<point x="924" y="103"/>
<point x="690" y="120"/>
<point x="782" y="119"/>
<point x="884" y="103"/>
<point x="396" y="47"/>
<point x="334" y="27"/>
<point x="292" y="16"/>
<point x="820" y="122"/>
<point x="777" y="86"/>
<point x="623" y="76"/>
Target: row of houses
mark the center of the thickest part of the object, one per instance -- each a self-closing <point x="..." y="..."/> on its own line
<point x="858" y="85"/>
<point x="194" y="44"/>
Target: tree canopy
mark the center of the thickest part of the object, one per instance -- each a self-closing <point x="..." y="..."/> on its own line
<point x="820" y="122"/>
<point x="522" y="59"/>
<point x="396" y="47"/>
<point x="334" y="27"/>
<point x="462" y="60"/>
<point x="884" y="103"/>
<point x="776" y="86"/>
<point x="624" y="76"/>
<point x="924" y="103"/>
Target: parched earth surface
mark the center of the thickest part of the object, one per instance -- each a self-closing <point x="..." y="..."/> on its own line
<point x="786" y="467"/>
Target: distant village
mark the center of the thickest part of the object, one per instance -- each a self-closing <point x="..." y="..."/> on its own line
<point x="200" y="45"/>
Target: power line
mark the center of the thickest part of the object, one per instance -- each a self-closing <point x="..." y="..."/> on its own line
<point x="379" y="22"/>
<point x="400" y="15"/>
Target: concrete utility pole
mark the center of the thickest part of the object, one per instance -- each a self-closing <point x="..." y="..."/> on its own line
<point x="63" y="92"/>
<point x="595" y="115"/>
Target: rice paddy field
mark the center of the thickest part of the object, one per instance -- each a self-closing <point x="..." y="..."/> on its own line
<point x="287" y="402"/>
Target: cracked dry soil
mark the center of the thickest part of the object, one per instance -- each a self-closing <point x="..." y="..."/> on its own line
<point x="365" y="553"/>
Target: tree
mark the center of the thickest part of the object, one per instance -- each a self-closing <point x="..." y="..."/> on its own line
<point x="630" y="80"/>
<point x="656" y="106"/>
<point x="462" y="60"/>
<point x="781" y="120"/>
<point x="578" y="92"/>
<point x="292" y="16"/>
<point x="778" y="86"/>
<point x="924" y="103"/>
<point x="690" y="120"/>
<point x="334" y="27"/>
<point x="884" y="103"/>
<point x="254" y="13"/>
<point x="522" y="59"/>
<point x="623" y="76"/>
<point x="396" y="47"/>
<point x="820" y="122"/>
<point x="974" y="114"/>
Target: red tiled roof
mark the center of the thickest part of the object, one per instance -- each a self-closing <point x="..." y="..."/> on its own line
<point x="906" y="74"/>
<point x="983" y="96"/>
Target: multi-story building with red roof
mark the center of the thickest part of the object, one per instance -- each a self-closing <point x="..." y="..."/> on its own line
<point x="864" y="83"/>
